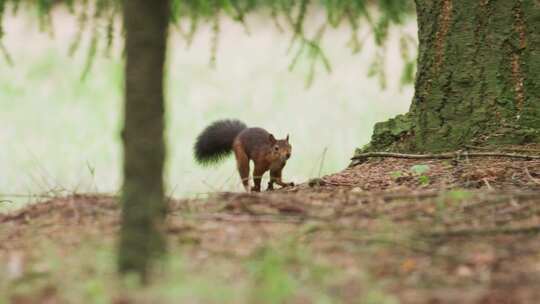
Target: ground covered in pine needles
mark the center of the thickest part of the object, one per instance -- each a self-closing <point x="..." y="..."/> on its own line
<point x="387" y="230"/>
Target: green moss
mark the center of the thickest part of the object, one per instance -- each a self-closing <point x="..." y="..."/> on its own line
<point x="387" y="133"/>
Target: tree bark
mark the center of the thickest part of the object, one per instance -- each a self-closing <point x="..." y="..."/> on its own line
<point x="143" y="203"/>
<point x="478" y="79"/>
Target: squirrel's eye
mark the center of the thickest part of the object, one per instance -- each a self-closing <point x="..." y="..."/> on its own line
<point x="276" y="148"/>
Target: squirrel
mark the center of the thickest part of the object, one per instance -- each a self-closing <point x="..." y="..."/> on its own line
<point x="222" y="137"/>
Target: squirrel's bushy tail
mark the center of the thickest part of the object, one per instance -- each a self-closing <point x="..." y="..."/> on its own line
<point x="215" y="142"/>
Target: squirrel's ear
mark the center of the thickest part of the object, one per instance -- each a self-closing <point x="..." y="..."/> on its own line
<point x="287" y="139"/>
<point x="272" y="139"/>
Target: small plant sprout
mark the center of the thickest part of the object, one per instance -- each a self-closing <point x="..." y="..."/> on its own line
<point x="419" y="171"/>
<point x="396" y="174"/>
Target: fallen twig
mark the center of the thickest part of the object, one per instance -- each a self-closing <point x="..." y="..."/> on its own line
<point x="63" y="195"/>
<point x="487" y="183"/>
<point x="534" y="180"/>
<point x="257" y="218"/>
<point x="450" y="155"/>
<point x="502" y="149"/>
<point x="483" y="232"/>
<point x="29" y="195"/>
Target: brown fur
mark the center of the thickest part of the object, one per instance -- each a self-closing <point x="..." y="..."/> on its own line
<point x="266" y="152"/>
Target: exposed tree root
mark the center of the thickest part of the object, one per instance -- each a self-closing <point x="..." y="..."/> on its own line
<point x="503" y="149"/>
<point x="450" y="155"/>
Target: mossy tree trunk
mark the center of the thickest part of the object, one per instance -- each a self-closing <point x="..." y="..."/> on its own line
<point x="143" y="201"/>
<point x="478" y="79"/>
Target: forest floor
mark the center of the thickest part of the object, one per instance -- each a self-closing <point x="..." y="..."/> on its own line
<point x="384" y="231"/>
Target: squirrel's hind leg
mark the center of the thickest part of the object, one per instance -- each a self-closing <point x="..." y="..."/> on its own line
<point x="242" y="163"/>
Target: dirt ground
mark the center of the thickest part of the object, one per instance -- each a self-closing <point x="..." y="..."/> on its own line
<point x="436" y="231"/>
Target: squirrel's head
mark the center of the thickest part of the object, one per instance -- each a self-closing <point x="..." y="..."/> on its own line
<point x="281" y="148"/>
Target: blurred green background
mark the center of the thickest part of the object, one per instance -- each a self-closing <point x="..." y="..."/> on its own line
<point x="59" y="134"/>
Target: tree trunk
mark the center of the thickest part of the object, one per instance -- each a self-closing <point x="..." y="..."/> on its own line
<point x="143" y="203"/>
<point x="478" y="78"/>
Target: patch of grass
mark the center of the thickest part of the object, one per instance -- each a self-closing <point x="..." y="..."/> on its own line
<point x="453" y="197"/>
<point x="423" y="179"/>
<point x="276" y="273"/>
<point x="281" y="273"/>
<point x="396" y="174"/>
<point x="458" y="195"/>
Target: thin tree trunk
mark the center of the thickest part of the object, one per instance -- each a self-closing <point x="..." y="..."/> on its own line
<point x="478" y="79"/>
<point x="143" y="203"/>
